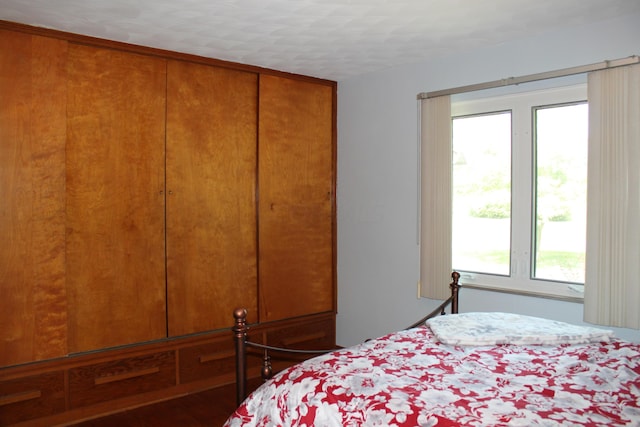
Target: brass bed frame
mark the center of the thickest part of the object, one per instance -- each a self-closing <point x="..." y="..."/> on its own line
<point x="240" y="330"/>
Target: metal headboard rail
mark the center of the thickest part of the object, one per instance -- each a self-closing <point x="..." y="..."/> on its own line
<point x="287" y="350"/>
<point x="240" y="330"/>
<point x="440" y="310"/>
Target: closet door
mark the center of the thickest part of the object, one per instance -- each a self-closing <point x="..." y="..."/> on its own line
<point x="296" y="183"/>
<point x="211" y="208"/>
<point x="115" y="198"/>
<point x="32" y="135"/>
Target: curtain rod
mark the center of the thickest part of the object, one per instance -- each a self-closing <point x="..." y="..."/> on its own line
<point x="634" y="59"/>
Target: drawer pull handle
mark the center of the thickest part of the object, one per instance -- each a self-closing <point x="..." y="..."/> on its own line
<point x="304" y="338"/>
<point x="127" y="375"/>
<point x="216" y="356"/>
<point x="20" y="397"/>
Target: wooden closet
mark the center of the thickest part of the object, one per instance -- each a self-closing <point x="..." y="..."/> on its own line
<point x="33" y="313"/>
<point x="211" y="195"/>
<point x="296" y="203"/>
<point x="115" y="245"/>
<point x="146" y="194"/>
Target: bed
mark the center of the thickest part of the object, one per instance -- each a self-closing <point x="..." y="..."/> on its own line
<point x="462" y="369"/>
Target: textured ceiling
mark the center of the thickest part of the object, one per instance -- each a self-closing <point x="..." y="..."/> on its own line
<point x="332" y="39"/>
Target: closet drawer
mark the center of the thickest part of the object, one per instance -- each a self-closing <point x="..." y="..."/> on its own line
<point x="314" y="334"/>
<point x="215" y="359"/>
<point x="120" y="378"/>
<point x="31" y="397"/>
<point x="207" y="360"/>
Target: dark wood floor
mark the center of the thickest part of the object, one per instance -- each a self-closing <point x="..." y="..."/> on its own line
<point x="209" y="408"/>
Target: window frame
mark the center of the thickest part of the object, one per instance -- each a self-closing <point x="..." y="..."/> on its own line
<point x="522" y="106"/>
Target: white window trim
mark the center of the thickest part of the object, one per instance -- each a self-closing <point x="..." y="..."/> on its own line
<point x="519" y="280"/>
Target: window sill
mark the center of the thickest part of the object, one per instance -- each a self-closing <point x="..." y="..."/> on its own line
<point x="569" y="293"/>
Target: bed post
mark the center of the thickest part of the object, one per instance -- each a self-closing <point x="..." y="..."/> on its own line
<point x="455" y="288"/>
<point x="240" y="336"/>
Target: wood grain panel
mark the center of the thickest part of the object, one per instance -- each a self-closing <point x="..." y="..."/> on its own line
<point x="296" y="198"/>
<point x="32" y="137"/>
<point x="115" y="198"/>
<point x="211" y="208"/>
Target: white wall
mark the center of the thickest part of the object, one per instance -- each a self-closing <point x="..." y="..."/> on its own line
<point x="377" y="175"/>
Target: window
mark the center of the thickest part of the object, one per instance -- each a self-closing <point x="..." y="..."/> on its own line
<point x="519" y="191"/>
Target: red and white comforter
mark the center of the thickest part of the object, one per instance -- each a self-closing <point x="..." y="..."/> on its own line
<point x="410" y="379"/>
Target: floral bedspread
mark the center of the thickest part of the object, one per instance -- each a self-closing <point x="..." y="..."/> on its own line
<point x="410" y="379"/>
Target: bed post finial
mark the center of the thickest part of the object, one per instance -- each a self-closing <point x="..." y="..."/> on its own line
<point x="267" y="370"/>
<point x="240" y="337"/>
<point x="455" y="288"/>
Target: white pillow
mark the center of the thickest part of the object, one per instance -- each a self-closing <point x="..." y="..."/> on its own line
<point x="508" y="328"/>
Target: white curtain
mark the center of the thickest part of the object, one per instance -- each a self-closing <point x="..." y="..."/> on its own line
<point x="435" y="207"/>
<point x="612" y="282"/>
